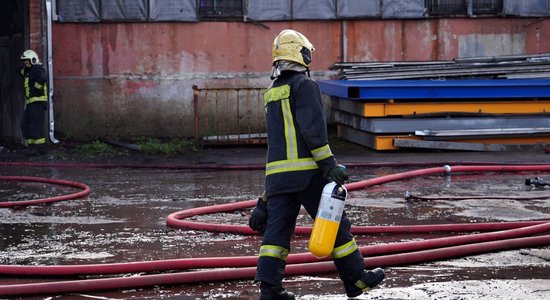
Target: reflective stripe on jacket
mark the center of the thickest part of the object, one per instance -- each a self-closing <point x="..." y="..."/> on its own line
<point x="297" y="133"/>
<point x="36" y="86"/>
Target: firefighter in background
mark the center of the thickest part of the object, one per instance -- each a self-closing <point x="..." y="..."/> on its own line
<point x="36" y="100"/>
<point x="299" y="164"/>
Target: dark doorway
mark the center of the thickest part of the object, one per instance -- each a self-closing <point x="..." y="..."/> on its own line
<point x="13" y="39"/>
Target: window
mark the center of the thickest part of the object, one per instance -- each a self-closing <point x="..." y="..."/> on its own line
<point x="447" y="7"/>
<point x="82" y="11"/>
<point x="492" y="7"/>
<point x="215" y="9"/>
<point x="464" y="7"/>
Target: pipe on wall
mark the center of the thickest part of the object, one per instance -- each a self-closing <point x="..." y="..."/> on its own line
<point x="51" y="127"/>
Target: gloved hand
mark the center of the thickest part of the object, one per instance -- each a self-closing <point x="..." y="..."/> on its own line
<point x="337" y="174"/>
<point x="258" y="217"/>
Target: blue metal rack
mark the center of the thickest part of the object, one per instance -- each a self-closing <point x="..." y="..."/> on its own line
<point x="437" y="89"/>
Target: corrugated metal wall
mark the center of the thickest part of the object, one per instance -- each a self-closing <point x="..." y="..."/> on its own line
<point x="135" y="79"/>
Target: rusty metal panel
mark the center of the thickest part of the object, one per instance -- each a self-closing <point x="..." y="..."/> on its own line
<point x="229" y="116"/>
<point x="98" y="78"/>
<point x="492" y="44"/>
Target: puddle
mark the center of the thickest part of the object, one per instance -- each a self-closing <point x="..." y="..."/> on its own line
<point x="123" y="220"/>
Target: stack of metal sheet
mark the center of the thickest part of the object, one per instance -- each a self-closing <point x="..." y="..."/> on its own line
<point x="516" y="66"/>
<point x="478" y="104"/>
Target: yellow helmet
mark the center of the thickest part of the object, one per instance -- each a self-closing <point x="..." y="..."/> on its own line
<point x="30" y="55"/>
<point x="293" y="46"/>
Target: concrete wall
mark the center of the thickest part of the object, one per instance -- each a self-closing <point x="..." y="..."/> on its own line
<point x="135" y="79"/>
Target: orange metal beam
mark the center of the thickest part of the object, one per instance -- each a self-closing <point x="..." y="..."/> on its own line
<point x="414" y="108"/>
<point x="385" y="142"/>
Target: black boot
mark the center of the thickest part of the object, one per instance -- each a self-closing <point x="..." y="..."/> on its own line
<point x="42" y="149"/>
<point x="31" y="151"/>
<point x="274" y="292"/>
<point x="368" y="280"/>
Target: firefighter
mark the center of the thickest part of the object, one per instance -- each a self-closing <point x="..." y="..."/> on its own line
<point x="299" y="164"/>
<point x="36" y="100"/>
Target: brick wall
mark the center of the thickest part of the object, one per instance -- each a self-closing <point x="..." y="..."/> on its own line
<point x="37" y="26"/>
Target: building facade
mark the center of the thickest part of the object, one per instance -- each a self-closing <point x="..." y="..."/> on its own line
<point x="127" y="68"/>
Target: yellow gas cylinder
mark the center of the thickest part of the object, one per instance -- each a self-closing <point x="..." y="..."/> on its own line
<point x="327" y="221"/>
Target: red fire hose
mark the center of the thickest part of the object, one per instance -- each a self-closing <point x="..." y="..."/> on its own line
<point x="85" y="191"/>
<point x="246" y="261"/>
<point x="511" y="235"/>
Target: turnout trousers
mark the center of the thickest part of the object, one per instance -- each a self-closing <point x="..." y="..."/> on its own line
<point x="283" y="209"/>
<point x="33" y="124"/>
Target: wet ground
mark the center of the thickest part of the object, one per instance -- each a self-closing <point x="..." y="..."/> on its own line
<point x="124" y="220"/>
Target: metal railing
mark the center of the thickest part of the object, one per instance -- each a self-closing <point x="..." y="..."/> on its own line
<point x="229" y="116"/>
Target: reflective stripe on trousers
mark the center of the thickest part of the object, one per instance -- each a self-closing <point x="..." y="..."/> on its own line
<point x="274" y="251"/>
